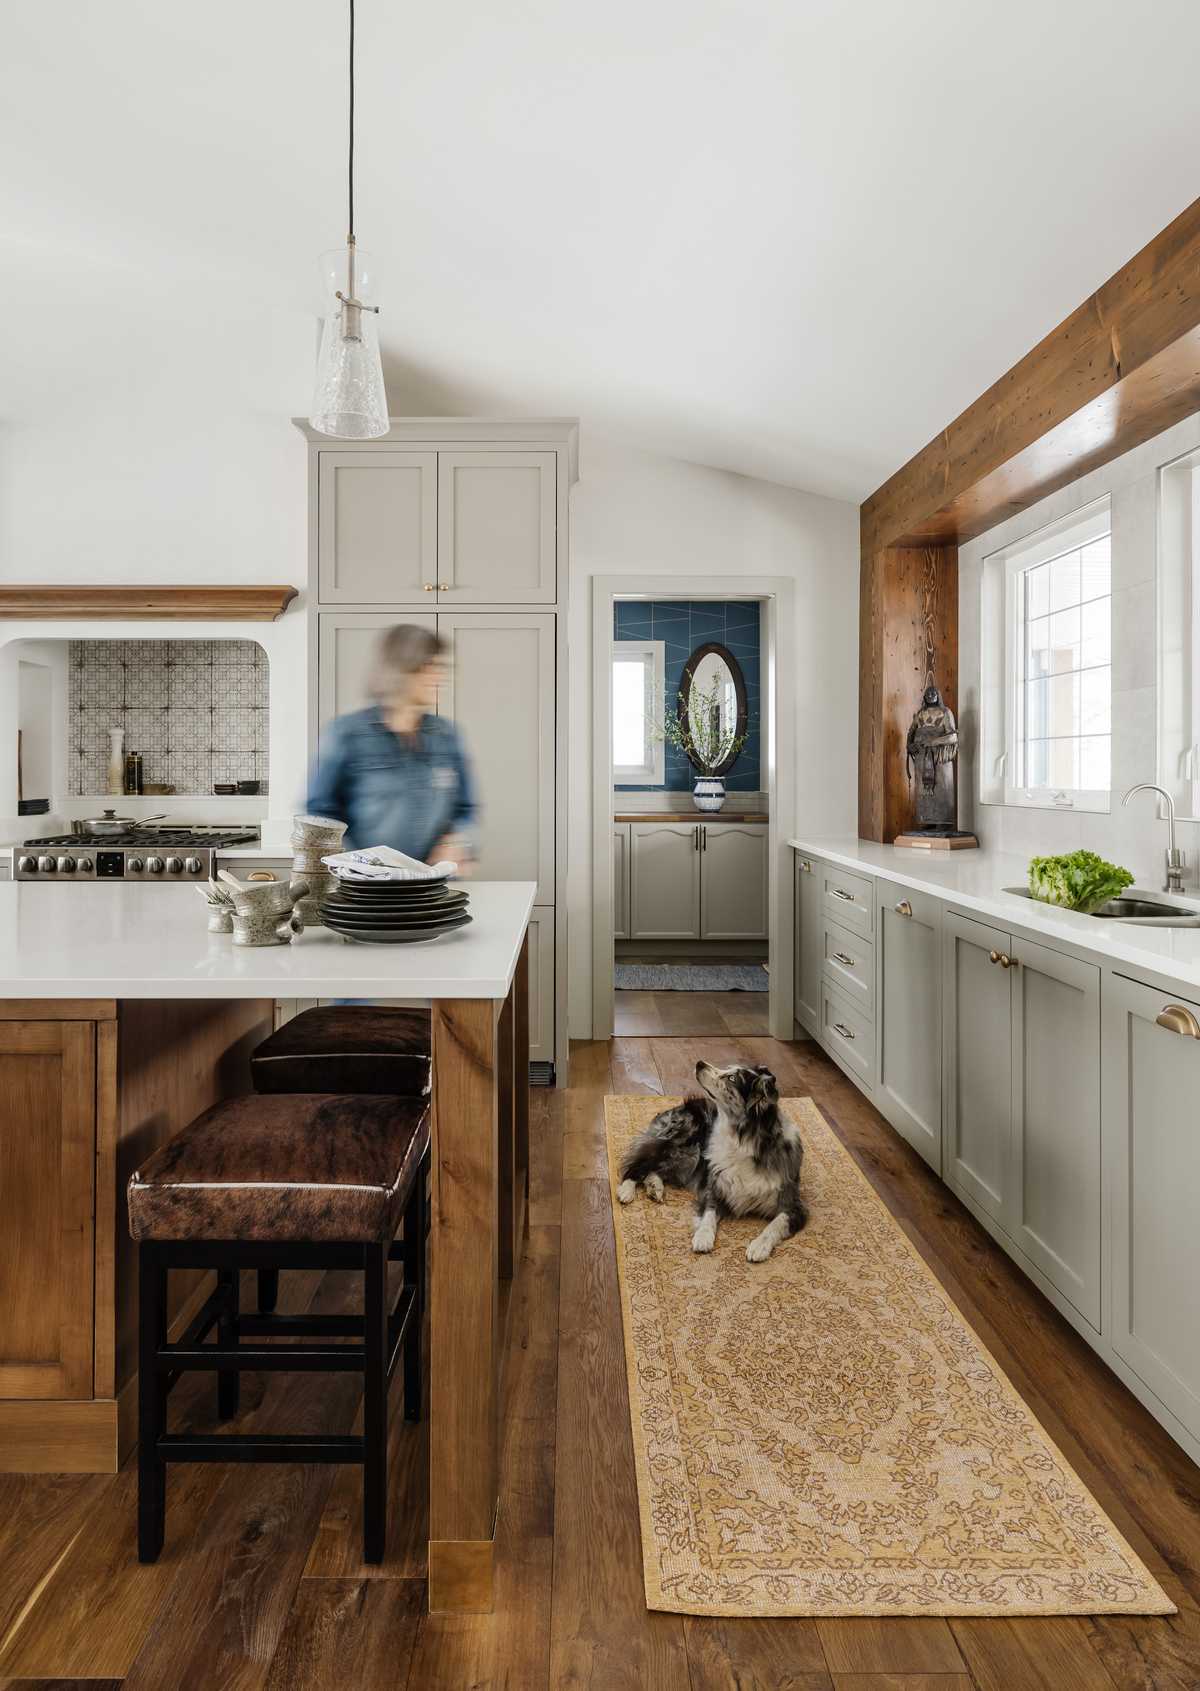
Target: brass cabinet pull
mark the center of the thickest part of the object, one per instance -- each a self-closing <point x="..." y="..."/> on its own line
<point x="993" y="956"/>
<point x="840" y="892"/>
<point x="430" y="586"/>
<point x="839" y="1027"/>
<point x="805" y="866"/>
<point x="445" y="586"/>
<point x="1007" y="962"/>
<point x="696" y="838"/>
<point x="704" y="836"/>
<point x="1177" y="1019"/>
<point x="904" y="908"/>
<point x="262" y="875"/>
<point x="840" y="957"/>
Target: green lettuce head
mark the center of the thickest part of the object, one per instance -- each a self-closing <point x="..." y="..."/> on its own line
<point x="1078" y="880"/>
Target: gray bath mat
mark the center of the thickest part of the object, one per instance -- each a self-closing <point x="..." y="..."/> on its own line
<point x="691" y="977"/>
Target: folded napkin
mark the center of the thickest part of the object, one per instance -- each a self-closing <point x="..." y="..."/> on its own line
<point x="381" y="863"/>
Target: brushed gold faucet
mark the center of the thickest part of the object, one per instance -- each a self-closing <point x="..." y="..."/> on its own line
<point x="1175" y="859"/>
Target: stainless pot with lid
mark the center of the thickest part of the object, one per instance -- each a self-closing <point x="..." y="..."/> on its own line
<point x="111" y="824"/>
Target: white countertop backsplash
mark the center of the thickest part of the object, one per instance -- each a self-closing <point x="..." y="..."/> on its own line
<point x="977" y="881"/>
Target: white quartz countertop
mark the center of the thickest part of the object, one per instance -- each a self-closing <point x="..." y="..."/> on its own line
<point x="120" y="941"/>
<point x="978" y="881"/>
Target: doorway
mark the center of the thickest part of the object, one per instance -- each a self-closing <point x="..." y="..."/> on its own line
<point x="692" y="801"/>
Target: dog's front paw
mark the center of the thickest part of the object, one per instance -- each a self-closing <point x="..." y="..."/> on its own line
<point x="626" y="1191"/>
<point x="758" y="1250"/>
<point x="703" y="1240"/>
<point x="654" y="1188"/>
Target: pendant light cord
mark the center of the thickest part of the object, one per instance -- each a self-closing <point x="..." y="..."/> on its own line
<point x="351" y="165"/>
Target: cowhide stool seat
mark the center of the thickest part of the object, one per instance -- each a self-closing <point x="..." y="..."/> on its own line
<point x="291" y="1181"/>
<point x="343" y="1048"/>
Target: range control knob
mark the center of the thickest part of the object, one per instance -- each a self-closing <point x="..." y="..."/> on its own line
<point x="27" y="865"/>
<point x="134" y="865"/>
<point x="47" y="865"/>
<point x="193" y="866"/>
<point x="84" y="865"/>
<point x="174" y="866"/>
<point x="66" y="865"/>
<point x="154" y="865"/>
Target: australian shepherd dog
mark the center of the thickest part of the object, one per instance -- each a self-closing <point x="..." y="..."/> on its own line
<point x="733" y="1149"/>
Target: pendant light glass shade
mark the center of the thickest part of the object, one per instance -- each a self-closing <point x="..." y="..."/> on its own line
<point x="349" y="400"/>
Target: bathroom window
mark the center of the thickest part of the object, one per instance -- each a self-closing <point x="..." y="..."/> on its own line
<point x="1048" y="620"/>
<point x="1179" y="633"/>
<point x="638" y="668"/>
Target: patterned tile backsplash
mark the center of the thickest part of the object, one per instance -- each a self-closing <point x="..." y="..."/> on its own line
<point x="196" y="710"/>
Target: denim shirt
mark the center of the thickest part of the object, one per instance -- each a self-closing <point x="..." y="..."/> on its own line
<point x="395" y="791"/>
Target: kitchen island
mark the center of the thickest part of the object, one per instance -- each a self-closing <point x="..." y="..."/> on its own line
<point x="121" y="1018"/>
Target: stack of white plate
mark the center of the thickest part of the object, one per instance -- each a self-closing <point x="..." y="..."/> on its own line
<point x="394" y="912"/>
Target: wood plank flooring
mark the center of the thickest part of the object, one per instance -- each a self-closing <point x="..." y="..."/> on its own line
<point x="261" y="1588"/>
<point x="691" y="1014"/>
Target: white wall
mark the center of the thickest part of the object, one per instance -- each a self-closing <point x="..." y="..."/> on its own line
<point x="636" y="513"/>
<point x="1133" y="836"/>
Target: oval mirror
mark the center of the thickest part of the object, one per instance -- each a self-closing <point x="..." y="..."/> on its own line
<point x="712" y="708"/>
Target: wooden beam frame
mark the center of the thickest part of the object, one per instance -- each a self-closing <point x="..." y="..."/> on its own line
<point x="1124" y="366"/>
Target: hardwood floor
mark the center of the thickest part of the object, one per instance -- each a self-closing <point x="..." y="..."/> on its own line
<point x="260" y="1585"/>
<point x="689" y="1014"/>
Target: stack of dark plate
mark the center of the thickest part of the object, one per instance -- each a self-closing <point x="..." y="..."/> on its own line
<point x="394" y="912"/>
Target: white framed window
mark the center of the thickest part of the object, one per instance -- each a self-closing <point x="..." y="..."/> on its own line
<point x="1047" y="607"/>
<point x="638" y="683"/>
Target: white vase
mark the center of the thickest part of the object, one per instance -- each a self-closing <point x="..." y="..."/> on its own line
<point x="116" y="760"/>
<point x="708" y="794"/>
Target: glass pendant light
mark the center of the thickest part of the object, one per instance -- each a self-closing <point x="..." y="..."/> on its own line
<point x="349" y="399"/>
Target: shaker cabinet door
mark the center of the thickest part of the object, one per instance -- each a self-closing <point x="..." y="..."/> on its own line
<point x="47" y="1163"/>
<point x="497" y="528"/>
<point x="377" y="527"/>
<point x="1054" y="1189"/>
<point x="1152" y="1175"/>
<point x="664" y="882"/>
<point x="733" y="880"/>
<point x="501" y="696"/>
<point x="908" y="939"/>
<point x="977" y="1052"/>
<point x="345" y="644"/>
<point x="810" y="941"/>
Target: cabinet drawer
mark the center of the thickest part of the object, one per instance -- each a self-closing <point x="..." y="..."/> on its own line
<point x="848" y="962"/>
<point x="848" y="899"/>
<point x="848" y="1035"/>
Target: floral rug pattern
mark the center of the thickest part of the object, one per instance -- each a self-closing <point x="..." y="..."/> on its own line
<point x="823" y="1433"/>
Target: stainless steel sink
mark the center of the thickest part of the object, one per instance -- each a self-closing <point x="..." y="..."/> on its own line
<point x="1140" y="912"/>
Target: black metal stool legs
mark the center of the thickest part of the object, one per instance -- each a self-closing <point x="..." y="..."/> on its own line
<point x="152" y="1407"/>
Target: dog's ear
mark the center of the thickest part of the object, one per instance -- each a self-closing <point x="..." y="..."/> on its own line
<point x="765" y="1086"/>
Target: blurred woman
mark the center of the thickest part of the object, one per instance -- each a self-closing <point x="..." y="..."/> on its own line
<point x="397" y="773"/>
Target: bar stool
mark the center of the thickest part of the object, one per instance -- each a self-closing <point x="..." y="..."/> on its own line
<point x="357" y="1048"/>
<point x="296" y="1181"/>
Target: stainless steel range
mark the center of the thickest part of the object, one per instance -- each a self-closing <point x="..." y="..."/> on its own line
<point x="143" y="854"/>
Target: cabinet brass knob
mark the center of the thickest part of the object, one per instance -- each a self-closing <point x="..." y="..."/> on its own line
<point x="1178" y="1020"/>
<point x="993" y="956"/>
<point x="445" y="586"/>
<point x="430" y="586"/>
<point x="904" y="908"/>
<point x="839" y="1027"/>
<point x="805" y="866"/>
<point x="846" y="962"/>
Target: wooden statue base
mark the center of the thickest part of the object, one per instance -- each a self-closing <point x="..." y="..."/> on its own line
<point x="938" y="842"/>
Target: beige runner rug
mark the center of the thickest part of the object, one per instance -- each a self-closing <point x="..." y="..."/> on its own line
<point x="823" y="1434"/>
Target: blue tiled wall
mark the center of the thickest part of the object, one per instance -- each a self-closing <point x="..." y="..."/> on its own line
<point x="684" y="624"/>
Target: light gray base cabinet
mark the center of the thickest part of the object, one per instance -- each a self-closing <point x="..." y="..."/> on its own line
<point x="1152" y="1177"/>
<point x="694" y="880"/>
<point x="810" y="939"/>
<point x="908" y="996"/>
<point x="1020" y="1143"/>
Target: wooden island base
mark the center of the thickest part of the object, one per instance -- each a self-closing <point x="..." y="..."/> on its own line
<point x="88" y="1089"/>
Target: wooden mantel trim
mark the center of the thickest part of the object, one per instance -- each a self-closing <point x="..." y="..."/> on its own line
<point x="143" y="604"/>
<point x="1120" y="369"/>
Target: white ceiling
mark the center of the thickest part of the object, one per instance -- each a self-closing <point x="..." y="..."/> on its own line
<point x="791" y="238"/>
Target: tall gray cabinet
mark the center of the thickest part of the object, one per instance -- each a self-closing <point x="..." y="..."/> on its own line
<point x="462" y="525"/>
